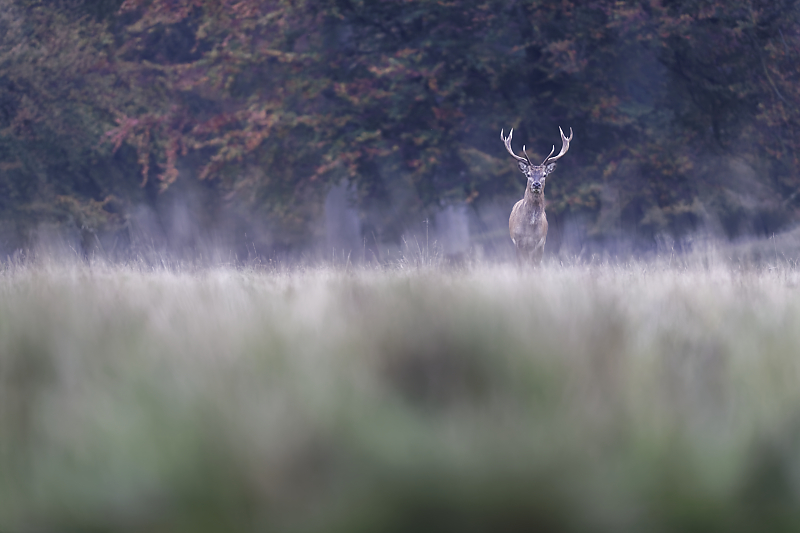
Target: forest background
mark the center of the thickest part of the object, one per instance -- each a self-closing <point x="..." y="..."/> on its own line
<point x="123" y="120"/>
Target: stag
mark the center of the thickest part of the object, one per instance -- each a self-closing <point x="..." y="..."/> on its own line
<point x="528" y="222"/>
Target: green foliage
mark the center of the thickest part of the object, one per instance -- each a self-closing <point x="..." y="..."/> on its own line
<point x="606" y="398"/>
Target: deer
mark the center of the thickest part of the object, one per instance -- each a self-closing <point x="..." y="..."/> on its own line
<point x="528" y="222"/>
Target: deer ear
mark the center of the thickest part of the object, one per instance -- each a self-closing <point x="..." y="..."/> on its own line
<point x="549" y="168"/>
<point x="523" y="166"/>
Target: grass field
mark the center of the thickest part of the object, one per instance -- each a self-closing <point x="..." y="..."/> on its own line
<point x="653" y="397"/>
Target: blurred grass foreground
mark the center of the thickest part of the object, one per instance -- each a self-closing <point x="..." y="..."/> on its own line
<point x="582" y="398"/>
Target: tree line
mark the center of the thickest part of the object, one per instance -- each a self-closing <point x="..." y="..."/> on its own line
<point x="685" y="112"/>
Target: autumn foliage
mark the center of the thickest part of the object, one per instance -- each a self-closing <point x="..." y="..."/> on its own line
<point x="685" y="112"/>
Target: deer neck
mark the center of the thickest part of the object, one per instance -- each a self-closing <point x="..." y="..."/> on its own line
<point x="534" y="202"/>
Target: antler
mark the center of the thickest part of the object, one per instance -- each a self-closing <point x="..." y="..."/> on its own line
<point x="507" y="142"/>
<point x="564" y="147"/>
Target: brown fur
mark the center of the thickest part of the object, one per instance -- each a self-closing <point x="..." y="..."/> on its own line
<point x="528" y="227"/>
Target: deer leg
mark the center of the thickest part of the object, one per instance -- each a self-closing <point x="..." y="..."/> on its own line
<point x="537" y="255"/>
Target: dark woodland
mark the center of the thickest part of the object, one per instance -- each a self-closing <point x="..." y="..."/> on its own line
<point x="685" y="115"/>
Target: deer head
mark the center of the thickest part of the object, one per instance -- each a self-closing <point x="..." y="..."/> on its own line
<point x="537" y="174"/>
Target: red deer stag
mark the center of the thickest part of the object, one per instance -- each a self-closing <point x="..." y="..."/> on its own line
<point x="528" y="223"/>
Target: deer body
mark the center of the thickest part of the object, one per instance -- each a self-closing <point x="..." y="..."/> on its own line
<point x="528" y="227"/>
<point x="528" y="221"/>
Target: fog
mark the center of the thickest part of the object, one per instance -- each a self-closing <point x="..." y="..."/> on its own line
<point x="178" y="229"/>
<point x="256" y="271"/>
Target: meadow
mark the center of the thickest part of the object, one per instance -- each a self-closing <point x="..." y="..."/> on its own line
<point x="646" y="396"/>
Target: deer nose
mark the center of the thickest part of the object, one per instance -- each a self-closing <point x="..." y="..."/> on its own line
<point x="537" y="185"/>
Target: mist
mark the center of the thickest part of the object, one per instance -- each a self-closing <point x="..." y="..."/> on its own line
<point x="256" y="270"/>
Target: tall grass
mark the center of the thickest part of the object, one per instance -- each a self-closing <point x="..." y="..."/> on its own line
<point x="639" y="397"/>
